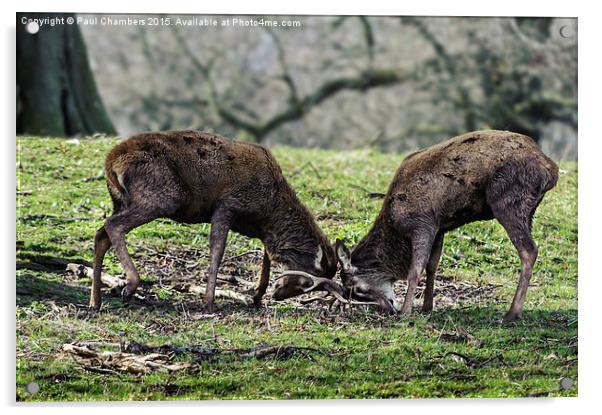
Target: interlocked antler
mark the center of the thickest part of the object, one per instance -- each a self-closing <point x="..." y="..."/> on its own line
<point x="293" y="283"/>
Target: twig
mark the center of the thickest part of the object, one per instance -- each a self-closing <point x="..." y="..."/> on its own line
<point x="306" y="164"/>
<point x="282" y="351"/>
<point x="234" y="280"/>
<point x="26" y="218"/>
<point x="233" y="257"/>
<point x="372" y="195"/>
<point x="472" y="362"/>
<point x="100" y="370"/>
<point x="99" y="176"/>
<point x="329" y="301"/>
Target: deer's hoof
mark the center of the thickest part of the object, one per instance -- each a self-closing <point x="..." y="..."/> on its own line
<point x="127" y="293"/>
<point x="510" y="318"/>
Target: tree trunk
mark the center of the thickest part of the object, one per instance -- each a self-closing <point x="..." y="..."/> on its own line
<point x="56" y="92"/>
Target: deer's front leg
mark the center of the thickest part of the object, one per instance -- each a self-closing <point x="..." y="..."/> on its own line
<point x="421" y="249"/>
<point x="431" y="270"/>
<point x="220" y="225"/>
<point x="264" y="279"/>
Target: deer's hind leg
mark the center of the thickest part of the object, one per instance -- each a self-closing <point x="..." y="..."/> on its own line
<point x="519" y="231"/>
<point x="150" y="192"/>
<point x="221" y="221"/>
<point x="102" y="243"/>
<point x="117" y="226"/>
<point x="513" y="197"/>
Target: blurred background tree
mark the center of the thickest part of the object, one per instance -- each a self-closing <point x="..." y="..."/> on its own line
<point x="513" y="91"/>
<point x="56" y="92"/>
<point x="392" y="83"/>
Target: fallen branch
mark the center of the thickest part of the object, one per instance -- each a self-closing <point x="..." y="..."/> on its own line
<point x="82" y="271"/>
<point x="100" y="370"/>
<point x="233" y="295"/>
<point x="256" y="252"/>
<point x="199" y="351"/>
<point x="139" y="358"/>
<point x="104" y="361"/>
<point x="43" y="216"/>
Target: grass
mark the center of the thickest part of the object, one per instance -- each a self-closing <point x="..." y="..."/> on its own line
<point x="460" y="350"/>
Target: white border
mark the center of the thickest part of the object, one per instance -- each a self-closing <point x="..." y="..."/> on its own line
<point x="589" y="206"/>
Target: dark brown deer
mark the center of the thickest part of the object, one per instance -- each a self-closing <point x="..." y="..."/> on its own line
<point x="477" y="176"/>
<point x="195" y="177"/>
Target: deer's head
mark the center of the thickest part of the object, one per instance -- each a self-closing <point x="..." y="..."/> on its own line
<point x="357" y="288"/>
<point x="365" y="283"/>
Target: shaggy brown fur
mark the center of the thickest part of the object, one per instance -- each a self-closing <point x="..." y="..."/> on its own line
<point x="195" y="177"/>
<point x="476" y="176"/>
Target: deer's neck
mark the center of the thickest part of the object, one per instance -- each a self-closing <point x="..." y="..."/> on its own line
<point x="382" y="252"/>
<point x="291" y="236"/>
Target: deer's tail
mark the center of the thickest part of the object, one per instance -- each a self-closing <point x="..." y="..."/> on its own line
<point x="116" y="169"/>
<point x="552" y="170"/>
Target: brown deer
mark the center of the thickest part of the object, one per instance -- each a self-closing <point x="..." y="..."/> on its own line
<point x="476" y="176"/>
<point x="196" y="177"/>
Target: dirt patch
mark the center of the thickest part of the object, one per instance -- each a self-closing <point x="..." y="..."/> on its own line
<point x="451" y="291"/>
<point x="177" y="270"/>
<point x="180" y="267"/>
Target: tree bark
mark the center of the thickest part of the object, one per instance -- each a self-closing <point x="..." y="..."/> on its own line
<point x="56" y="91"/>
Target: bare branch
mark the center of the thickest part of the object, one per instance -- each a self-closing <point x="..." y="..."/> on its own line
<point x="367" y="31"/>
<point x="368" y="36"/>
<point x="297" y="106"/>
<point x="286" y="75"/>
<point x="363" y="82"/>
<point x="464" y="102"/>
<point x="203" y="68"/>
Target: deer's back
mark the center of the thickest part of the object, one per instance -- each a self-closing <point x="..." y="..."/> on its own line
<point x="449" y="180"/>
<point x="206" y="168"/>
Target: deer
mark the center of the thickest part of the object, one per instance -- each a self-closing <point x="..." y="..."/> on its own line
<point x="199" y="177"/>
<point x="477" y="176"/>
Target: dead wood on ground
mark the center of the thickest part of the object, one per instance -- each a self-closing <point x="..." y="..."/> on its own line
<point x="137" y="358"/>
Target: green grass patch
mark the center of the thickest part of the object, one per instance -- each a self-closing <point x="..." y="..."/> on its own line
<point x="458" y="351"/>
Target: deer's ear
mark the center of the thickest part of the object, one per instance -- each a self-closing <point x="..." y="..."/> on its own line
<point x="318" y="260"/>
<point x="343" y="255"/>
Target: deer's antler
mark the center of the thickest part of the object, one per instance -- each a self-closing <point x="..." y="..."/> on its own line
<point x="293" y="283"/>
